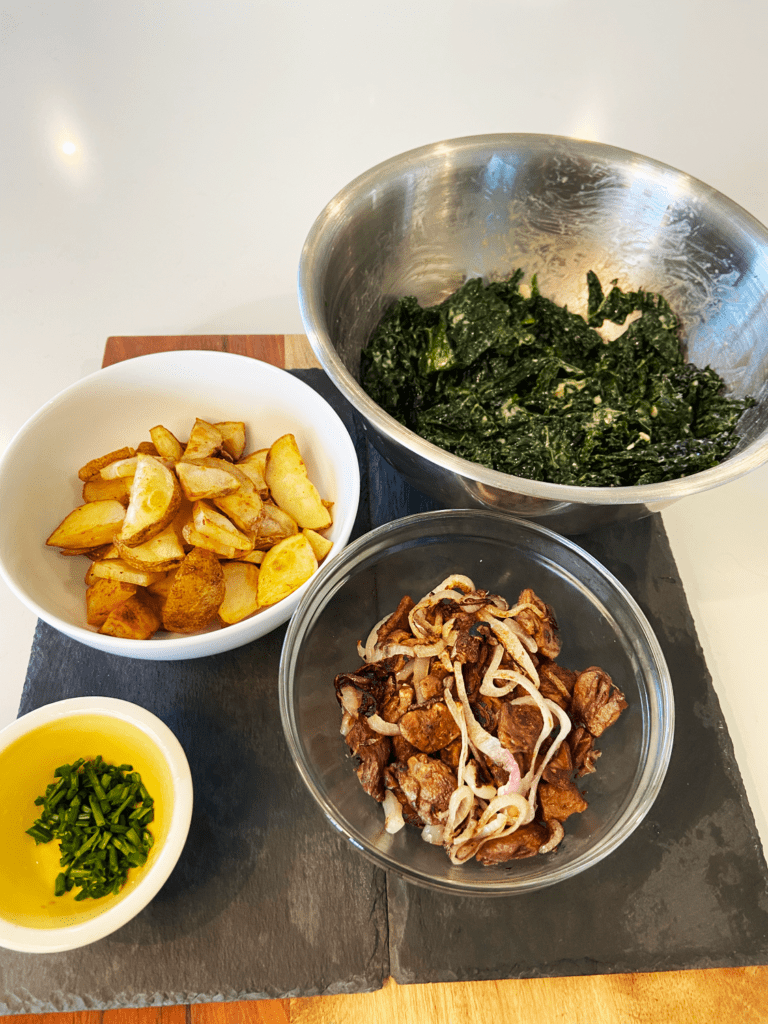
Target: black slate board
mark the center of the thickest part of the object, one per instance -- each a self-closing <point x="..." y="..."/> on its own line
<point x="267" y="900"/>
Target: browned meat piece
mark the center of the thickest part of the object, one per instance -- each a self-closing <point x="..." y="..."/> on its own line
<point x="374" y="683"/>
<point x="560" y="802"/>
<point x="451" y="753"/>
<point x="519" y="727"/>
<point x="523" y="842"/>
<point x="402" y="749"/>
<point x="431" y="686"/>
<point x="398" y="620"/>
<point x="583" y="751"/>
<point x="467" y="648"/>
<point x="487" y="711"/>
<point x="596" y="701"/>
<point x="556" y="683"/>
<point x="560" y="768"/>
<point x="410" y="817"/>
<point x="488" y="771"/>
<point x="373" y="751"/>
<point x="396" y="704"/>
<point x="427" y="784"/>
<point x="543" y="627"/>
<point x="429" y="728"/>
<point x="474" y="671"/>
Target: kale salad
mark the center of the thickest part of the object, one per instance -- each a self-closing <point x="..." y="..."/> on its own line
<point x="505" y="377"/>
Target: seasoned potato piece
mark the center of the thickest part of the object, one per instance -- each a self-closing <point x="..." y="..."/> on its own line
<point x="285" y="567"/>
<point x="195" y="594"/>
<point x="97" y="489"/>
<point x="167" y="444"/>
<point x="275" y="525"/>
<point x="210" y="543"/>
<point x="253" y="468"/>
<point x="147" y="448"/>
<point x="290" y="486"/>
<point x="134" y="619"/>
<point x="102" y="596"/>
<point x="232" y="437"/>
<point x="206" y="478"/>
<point x="244" y="506"/>
<point x="255" y="460"/>
<point x="158" y="554"/>
<point x="212" y="523"/>
<point x="89" y="525"/>
<point x="161" y="586"/>
<point x="204" y="440"/>
<point x="241" y="595"/>
<point x="255" y="557"/>
<point x="95" y="466"/>
<point x="117" y="569"/>
<point x="320" y="545"/>
<point x="155" y="500"/>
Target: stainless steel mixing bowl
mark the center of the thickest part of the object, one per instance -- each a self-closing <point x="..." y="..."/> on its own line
<point x="423" y="222"/>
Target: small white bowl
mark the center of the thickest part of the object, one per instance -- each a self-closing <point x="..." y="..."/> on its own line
<point x="32" y="919"/>
<point x="117" y="406"/>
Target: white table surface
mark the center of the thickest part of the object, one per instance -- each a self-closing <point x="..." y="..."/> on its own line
<point x="208" y="136"/>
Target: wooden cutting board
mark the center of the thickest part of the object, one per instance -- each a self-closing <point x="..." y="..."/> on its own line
<point x="725" y="996"/>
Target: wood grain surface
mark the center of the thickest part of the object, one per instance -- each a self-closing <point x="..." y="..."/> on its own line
<point x="717" y="996"/>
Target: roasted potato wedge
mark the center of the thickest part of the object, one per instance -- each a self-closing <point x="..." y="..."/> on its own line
<point x="211" y="523"/>
<point x="103" y="596"/>
<point x="275" y="525"/>
<point x="285" y="567"/>
<point x="253" y="468"/>
<point x="89" y="525"/>
<point x="134" y="619"/>
<point x="155" y="500"/>
<point x="320" y="545"/>
<point x="290" y="486"/>
<point x="166" y="443"/>
<point x="160" y="553"/>
<point x="232" y="437"/>
<point x="206" y="478"/>
<point x="204" y="440"/>
<point x="97" y="489"/>
<point x="254" y="557"/>
<point x="195" y="594"/>
<point x="241" y="594"/>
<point x="200" y="540"/>
<point x="95" y="466"/>
<point x="117" y="569"/>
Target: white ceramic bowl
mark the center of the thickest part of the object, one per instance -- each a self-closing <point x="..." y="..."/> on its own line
<point x="117" y="406"/>
<point x="32" y="919"/>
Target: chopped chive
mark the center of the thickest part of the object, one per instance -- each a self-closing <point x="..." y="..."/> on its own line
<point x="85" y="809"/>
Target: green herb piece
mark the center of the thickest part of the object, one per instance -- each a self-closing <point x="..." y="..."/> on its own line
<point x="522" y="385"/>
<point x="77" y="810"/>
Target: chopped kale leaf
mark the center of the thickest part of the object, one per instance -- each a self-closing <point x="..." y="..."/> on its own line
<point x="522" y="385"/>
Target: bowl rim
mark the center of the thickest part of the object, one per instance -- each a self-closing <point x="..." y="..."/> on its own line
<point x="208" y="642"/>
<point x="26" y="939"/>
<point x="654" y="773"/>
<point x="313" y="261"/>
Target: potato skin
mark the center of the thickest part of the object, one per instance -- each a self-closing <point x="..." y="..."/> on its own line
<point x="195" y="594"/>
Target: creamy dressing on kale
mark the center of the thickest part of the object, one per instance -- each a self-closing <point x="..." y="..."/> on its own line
<point x="522" y="385"/>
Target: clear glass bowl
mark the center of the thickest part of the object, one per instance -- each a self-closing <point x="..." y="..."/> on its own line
<point x="600" y="624"/>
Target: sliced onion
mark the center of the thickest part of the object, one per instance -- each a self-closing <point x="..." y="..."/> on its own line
<point x="513" y="644"/>
<point x="433" y="834"/>
<point x="514" y="679"/>
<point x="385" y="728"/>
<point x="350" y="699"/>
<point x="393" y="813"/>
<point x="555" y="839"/>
